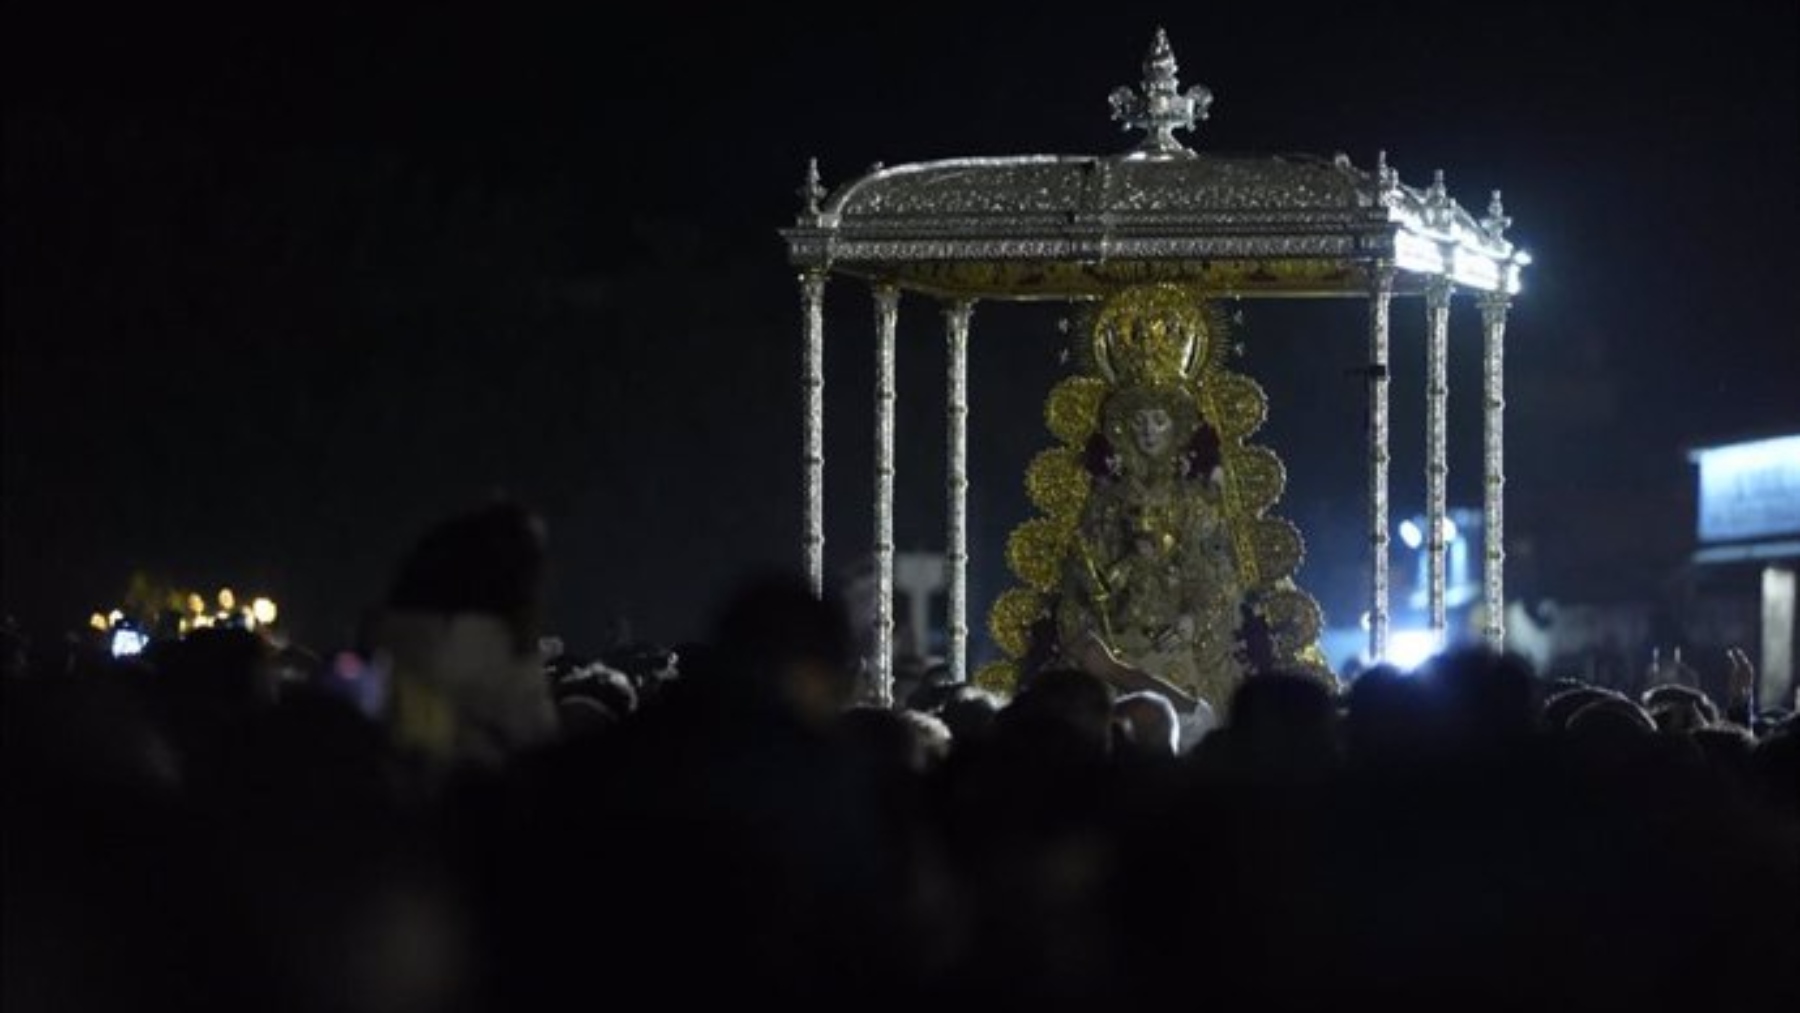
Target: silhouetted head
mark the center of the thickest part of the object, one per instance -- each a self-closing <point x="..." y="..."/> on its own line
<point x="487" y="561"/>
<point x="777" y="642"/>
<point x="1284" y="723"/>
<point x="969" y="713"/>
<point x="896" y="743"/>
<point x="1679" y="708"/>
<point x="1061" y="709"/>
<point x="1561" y="708"/>
<point x="1485" y="697"/>
<point x="459" y="640"/>
<point x="1389" y="718"/>
<point x="1611" y="718"/>
<point x="224" y="667"/>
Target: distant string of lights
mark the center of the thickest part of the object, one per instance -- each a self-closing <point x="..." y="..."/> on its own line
<point x="191" y="612"/>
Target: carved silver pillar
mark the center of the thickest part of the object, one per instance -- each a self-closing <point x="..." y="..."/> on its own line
<point x="887" y="313"/>
<point x="956" y="562"/>
<point x="1437" y="468"/>
<point x="1493" y="527"/>
<point x="812" y="453"/>
<point x="1379" y="302"/>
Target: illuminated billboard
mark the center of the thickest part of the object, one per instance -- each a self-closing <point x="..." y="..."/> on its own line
<point x="1749" y="490"/>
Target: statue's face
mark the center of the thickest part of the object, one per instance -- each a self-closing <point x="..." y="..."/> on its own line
<point x="1152" y="428"/>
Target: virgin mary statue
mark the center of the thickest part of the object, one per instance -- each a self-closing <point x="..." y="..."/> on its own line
<point x="1153" y="564"/>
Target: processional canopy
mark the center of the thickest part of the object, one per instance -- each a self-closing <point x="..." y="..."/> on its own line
<point x="1153" y="551"/>
<point x="1073" y="227"/>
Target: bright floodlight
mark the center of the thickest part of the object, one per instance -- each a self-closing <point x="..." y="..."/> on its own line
<point x="264" y="611"/>
<point x="227" y="600"/>
<point x="1408" y="649"/>
<point x="1411" y="535"/>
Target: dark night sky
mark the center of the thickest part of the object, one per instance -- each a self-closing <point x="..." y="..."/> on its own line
<point x="278" y="292"/>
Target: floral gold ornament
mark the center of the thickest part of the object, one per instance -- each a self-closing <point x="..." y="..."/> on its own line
<point x="1237" y="405"/>
<point x="1278" y="549"/>
<point x="1260" y="478"/>
<point x="1294" y="619"/>
<point x="1058" y="484"/>
<point x="1073" y="409"/>
<point x="1000" y="677"/>
<point x="1035" y="552"/>
<point x="1012" y="617"/>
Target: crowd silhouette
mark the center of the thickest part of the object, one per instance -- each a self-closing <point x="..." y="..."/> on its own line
<point x="216" y="824"/>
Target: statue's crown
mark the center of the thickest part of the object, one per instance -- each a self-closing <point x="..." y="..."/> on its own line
<point x="1150" y="337"/>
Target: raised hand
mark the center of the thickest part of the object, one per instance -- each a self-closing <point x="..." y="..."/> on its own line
<point x="1742" y="679"/>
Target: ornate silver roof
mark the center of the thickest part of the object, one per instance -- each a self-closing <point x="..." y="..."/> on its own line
<point x="1062" y="226"/>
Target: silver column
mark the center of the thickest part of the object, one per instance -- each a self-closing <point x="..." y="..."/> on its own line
<point x="1493" y="325"/>
<point x="887" y="313"/>
<point x="956" y="319"/>
<point x="812" y="453"/>
<point x="1379" y="300"/>
<point x="1437" y="469"/>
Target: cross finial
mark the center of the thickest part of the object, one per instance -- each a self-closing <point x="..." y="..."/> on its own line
<point x="812" y="191"/>
<point x="1163" y="107"/>
<point x="1496" y="223"/>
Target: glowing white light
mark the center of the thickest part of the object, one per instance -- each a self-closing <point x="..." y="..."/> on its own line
<point x="1416" y="253"/>
<point x="1411" y="535"/>
<point x="115" y="617"/>
<point x="227" y="600"/>
<point x="1449" y="530"/>
<point x="127" y="641"/>
<point x="1515" y="273"/>
<point x="1474" y="270"/>
<point x="1408" y="649"/>
<point x="264" y="611"/>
